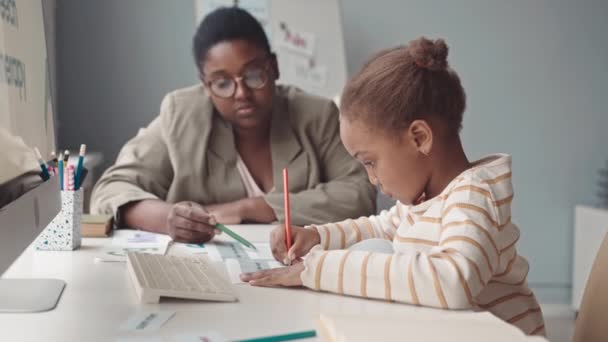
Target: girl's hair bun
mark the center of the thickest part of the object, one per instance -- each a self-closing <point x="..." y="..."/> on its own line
<point x="429" y="54"/>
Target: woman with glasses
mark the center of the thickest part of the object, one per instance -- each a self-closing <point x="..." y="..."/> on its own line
<point x="215" y="153"/>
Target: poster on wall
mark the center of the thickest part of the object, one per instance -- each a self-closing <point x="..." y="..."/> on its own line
<point x="298" y="51"/>
<point x="310" y="73"/>
<point x="296" y="41"/>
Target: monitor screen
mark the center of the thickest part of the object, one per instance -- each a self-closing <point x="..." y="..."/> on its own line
<point x="26" y="111"/>
<point x="27" y="203"/>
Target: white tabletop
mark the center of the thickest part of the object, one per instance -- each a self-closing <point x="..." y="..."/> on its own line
<point x="99" y="298"/>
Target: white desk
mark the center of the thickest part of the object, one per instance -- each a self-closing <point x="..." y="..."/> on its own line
<point x="99" y="298"/>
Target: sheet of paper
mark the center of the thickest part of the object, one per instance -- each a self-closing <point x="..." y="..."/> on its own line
<point x="119" y="254"/>
<point x="263" y="251"/>
<point x="237" y="259"/>
<point x="138" y="339"/>
<point x="132" y="238"/>
<point x="129" y="240"/>
<point x="187" y="249"/>
<point x="142" y="237"/>
<point x="210" y="336"/>
<point x="145" y="321"/>
<point x="236" y="267"/>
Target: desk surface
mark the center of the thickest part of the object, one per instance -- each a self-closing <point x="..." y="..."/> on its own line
<point x="99" y="298"/>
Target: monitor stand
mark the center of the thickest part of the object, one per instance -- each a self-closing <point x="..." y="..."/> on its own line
<point x="29" y="295"/>
<point x="21" y="221"/>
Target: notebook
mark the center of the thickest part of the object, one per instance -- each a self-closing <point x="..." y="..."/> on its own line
<point x="454" y="326"/>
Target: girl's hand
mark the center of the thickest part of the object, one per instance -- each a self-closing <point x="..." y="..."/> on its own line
<point x="302" y="239"/>
<point x="284" y="276"/>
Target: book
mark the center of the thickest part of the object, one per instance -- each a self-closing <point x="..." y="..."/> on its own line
<point x="96" y="225"/>
<point x="425" y="325"/>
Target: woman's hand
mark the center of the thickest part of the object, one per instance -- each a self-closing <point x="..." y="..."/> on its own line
<point x="284" y="276"/>
<point x="190" y="222"/>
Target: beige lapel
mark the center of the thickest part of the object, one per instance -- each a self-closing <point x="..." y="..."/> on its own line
<point x="223" y="178"/>
<point x="286" y="149"/>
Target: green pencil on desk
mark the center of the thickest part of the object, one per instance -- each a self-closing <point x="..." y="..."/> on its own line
<point x="235" y="236"/>
<point x="281" y="338"/>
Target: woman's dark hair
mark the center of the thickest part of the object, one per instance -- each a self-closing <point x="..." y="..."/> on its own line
<point x="223" y="24"/>
<point x="406" y="83"/>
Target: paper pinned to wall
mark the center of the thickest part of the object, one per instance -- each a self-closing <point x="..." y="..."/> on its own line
<point x="314" y="75"/>
<point x="296" y="41"/>
<point x="305" y="71"/>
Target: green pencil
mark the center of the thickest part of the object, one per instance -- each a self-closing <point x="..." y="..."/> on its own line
<point x="235" y="236"/>
<point x="286" y="337"/>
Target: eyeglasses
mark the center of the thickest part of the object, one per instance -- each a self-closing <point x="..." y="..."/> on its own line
<point x="225" y="86"/>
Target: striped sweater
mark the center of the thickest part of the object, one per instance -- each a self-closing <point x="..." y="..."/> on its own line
<point x="454" y="251"/>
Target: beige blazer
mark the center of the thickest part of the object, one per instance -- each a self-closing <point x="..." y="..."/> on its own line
<point x="188" y="153"/>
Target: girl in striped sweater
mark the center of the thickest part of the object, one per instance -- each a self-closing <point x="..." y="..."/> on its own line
<point x="451" y="239"/>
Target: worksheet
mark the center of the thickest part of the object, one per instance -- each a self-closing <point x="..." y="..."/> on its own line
<point x="232" y="255"/>
<point x="130" y="240"/>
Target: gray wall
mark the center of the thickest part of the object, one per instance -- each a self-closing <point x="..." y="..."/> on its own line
<point x="49" y="13"/>
<point x="534" y="72"/>
<point x="116" y="61"/>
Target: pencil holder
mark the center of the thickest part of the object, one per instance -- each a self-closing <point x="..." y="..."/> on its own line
<point x="63" y="233"/>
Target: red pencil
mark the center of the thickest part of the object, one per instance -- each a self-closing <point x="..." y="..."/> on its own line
<point x="287" y="215"/>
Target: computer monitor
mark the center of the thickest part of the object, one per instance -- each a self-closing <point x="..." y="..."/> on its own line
<point x="27" y="203"/>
